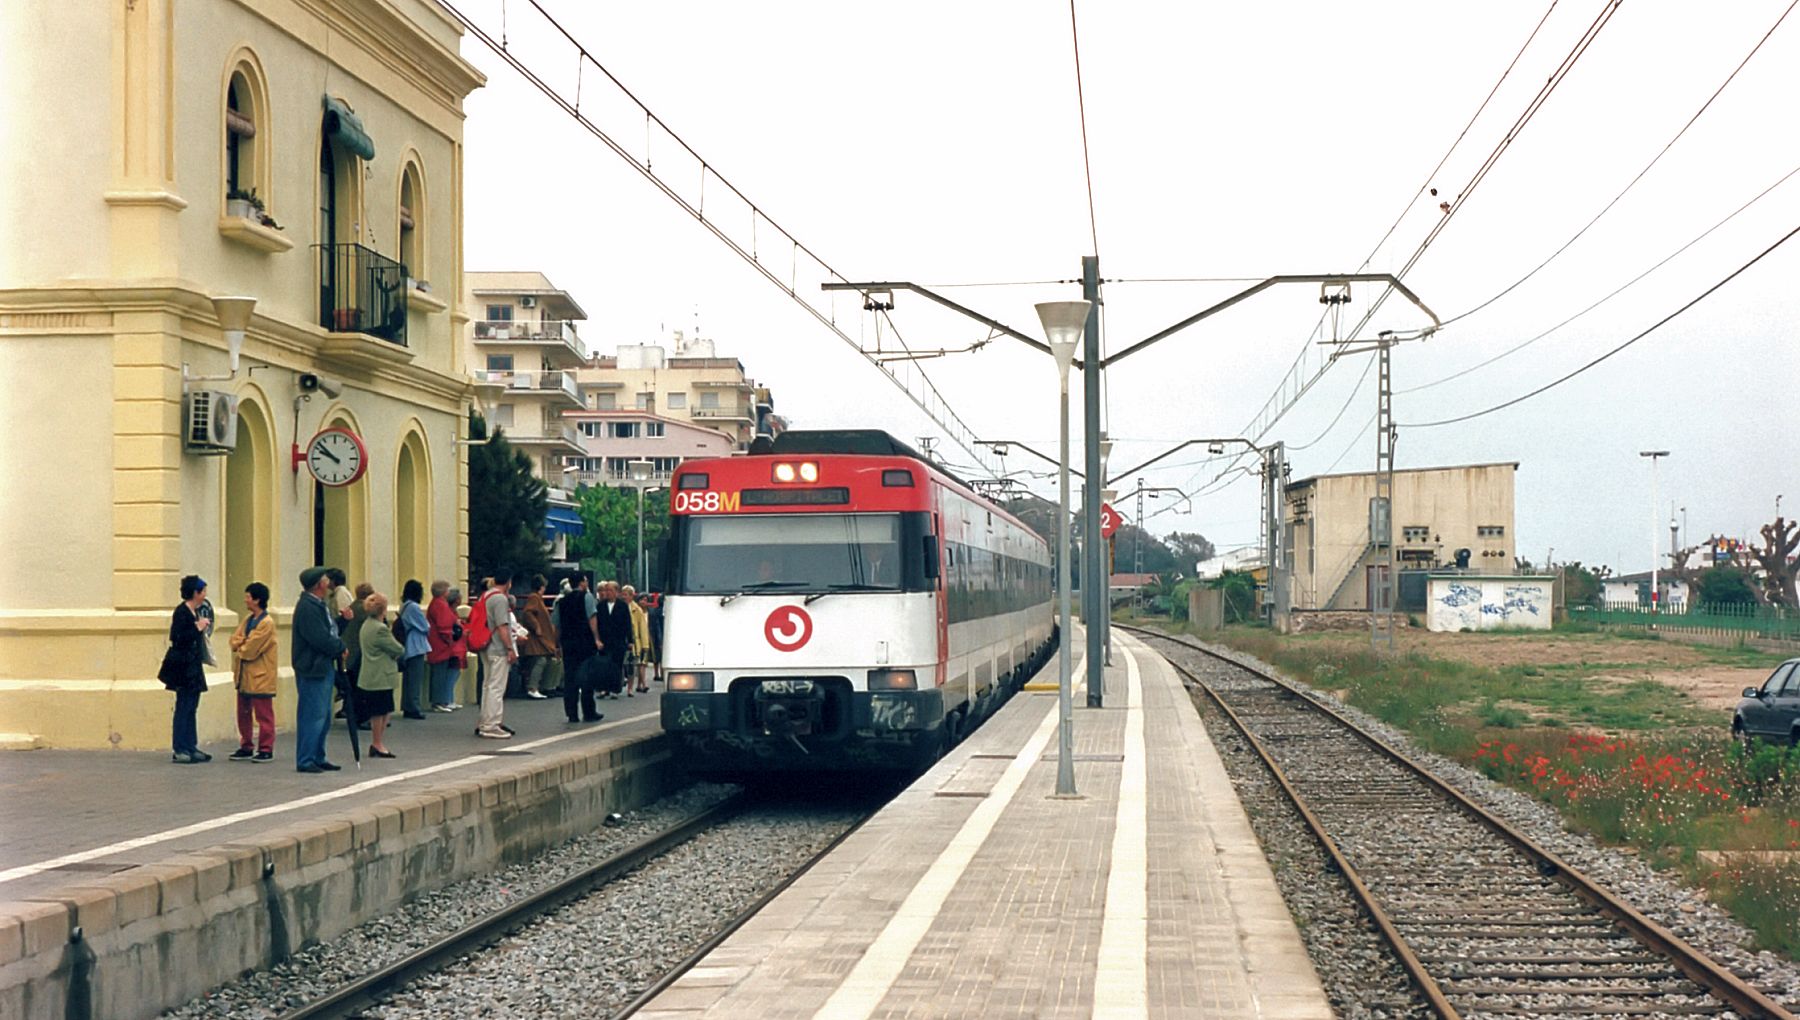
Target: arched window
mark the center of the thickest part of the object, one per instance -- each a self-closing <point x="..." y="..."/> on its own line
<point x="247" y="162"/>
<point x="412" y="221"/>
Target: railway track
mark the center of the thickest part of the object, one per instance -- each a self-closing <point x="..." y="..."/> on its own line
<point x="372" y="989"/>
<point x="1486" y="922"/>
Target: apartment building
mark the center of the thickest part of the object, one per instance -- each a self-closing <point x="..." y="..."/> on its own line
<point x="614" y="439"/>
<point x="523" y="350"/>
<point x="1446" y="517"/>
<point x="242" y="230"/>
<point x="689" y="383"/>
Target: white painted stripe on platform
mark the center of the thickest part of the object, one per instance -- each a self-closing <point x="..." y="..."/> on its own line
<point x="868" y="982"/>
<point x="137" y="843"/>
<point x="1121" y="975"/>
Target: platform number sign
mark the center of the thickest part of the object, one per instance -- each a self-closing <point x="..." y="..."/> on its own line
<point x="788" y="628"/>
<point x="1109" y="520"/>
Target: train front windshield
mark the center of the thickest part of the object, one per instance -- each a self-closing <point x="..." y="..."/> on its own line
<point x="798" y="553"/>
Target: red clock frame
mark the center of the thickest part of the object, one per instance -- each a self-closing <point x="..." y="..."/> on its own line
<point x="362" y="449"/>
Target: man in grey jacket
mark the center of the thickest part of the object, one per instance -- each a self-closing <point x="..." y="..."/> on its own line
<point x="315" y="656"/>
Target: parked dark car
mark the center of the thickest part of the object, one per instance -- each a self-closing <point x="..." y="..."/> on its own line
<point x="1771" y="712"/>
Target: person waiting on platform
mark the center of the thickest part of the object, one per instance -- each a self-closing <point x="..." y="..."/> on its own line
<point x="379" y="674"/>
<point x="448" y="647"/>
<point x="184" y="671"/>
<point x="575" y="633"/>
<point x="640" y="641"/>
<point x="414" y="632"/>
<point x="540" y="645"/>
<point x="253" y="669"/>
<point x="316" y="653"/>
<point x="612" y="632"/>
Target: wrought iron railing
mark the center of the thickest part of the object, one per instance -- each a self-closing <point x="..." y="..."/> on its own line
<point x="361" y="291"/>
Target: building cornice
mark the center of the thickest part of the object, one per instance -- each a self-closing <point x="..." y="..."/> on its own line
<point x="91" y="309"/>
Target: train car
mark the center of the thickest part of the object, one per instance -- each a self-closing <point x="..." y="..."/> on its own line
<point x="839" y="603"/>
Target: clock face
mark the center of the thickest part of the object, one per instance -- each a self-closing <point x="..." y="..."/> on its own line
<point x="336" y="457"/>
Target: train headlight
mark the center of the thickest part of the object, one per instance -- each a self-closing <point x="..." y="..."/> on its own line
<point x="809" y="472"/>
<point x="784" y="472"/>
<point x="690" y="682"/>
<point x="893" y="680"/>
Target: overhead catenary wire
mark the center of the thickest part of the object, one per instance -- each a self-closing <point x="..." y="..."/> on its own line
<point x="1081" y="106"/>
<point x="928" y="398"/>
<point x="1615" y="292"/>
<point x="1509" y="288"/>
<point x="1703" y="295"/>
<point x="1302" y="388"/>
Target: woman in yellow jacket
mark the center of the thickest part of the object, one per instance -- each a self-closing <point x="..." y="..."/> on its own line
<point x="253" y="665"/>
<point x="640" y="636"/>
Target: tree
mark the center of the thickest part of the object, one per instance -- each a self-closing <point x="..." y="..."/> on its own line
<point x="608" y="542"/>
<point x="1133" y="545"/>
<point x="1725" y="586"/>
<point x="1582" y="585"/>
<point x="506" y="508"/>
<point x="1781" y="571"/>
<point x="1238" y="590"/>
<point x="1191" y="547"/>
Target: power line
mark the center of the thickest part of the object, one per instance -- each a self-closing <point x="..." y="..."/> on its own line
<point x="905" y="374"/>
<point x="1464" y="133"/>
<point x="1301" y="389"/>
<point x="1653" y="328"/>
<point x="1081" y="105"/>
<point x="1614" y="293"/>
<point x="1355" y="391"/>
<point x="1640" y="174"/>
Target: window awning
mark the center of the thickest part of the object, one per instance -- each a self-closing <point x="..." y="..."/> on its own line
<point x="345" y="128"/>
<point x="560" y="520"/>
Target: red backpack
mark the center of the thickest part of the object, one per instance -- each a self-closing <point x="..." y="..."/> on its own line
<point x="479" y="634"/>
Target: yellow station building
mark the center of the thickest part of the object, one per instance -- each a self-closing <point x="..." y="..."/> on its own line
<point x="131" y="135"/>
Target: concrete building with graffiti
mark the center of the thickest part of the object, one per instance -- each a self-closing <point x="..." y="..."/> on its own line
<point x="1455" y="518"/>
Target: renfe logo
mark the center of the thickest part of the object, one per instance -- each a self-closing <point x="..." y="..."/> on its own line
<point x="788" y="628"/>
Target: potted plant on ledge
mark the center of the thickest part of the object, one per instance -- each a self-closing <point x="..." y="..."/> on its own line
<point x="243" y="204"/>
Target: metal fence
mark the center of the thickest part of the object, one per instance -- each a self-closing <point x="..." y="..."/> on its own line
<point x="1772" y="623"/>
<point x="361" y="291"/>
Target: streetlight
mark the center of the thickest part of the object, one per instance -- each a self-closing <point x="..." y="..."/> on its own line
<point x="1064" y="322"/>
<point x="641" y="470"/>
<point x="1655" y="558"/>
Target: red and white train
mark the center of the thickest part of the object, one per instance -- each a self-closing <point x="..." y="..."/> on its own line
<point x="841" y="604"/>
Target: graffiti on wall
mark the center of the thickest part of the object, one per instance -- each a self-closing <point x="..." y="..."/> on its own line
<point x="1481" y="604"/>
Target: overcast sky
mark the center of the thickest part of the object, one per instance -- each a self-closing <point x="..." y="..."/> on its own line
<point x="940" y="143"/>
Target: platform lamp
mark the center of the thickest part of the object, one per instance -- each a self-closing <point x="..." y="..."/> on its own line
<point x="641" y="471"/>
<point x="1064" y="323"/>
<point x="234" y="319"/>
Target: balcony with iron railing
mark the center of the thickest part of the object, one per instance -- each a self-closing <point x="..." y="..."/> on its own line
<point x="722" y="413"/>
<point x="557" y="384"/>
<point x="361" y="291"/>
<point x="557" y="334"/>
<point x="548" y="433"/>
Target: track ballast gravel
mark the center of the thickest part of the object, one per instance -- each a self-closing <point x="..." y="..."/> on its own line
<point x="1682" y="910"/>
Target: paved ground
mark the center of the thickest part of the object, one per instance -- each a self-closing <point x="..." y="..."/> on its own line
<point x="65" y="814"/>
<point x="978" y="893"/>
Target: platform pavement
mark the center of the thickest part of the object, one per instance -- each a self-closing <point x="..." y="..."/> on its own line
<point x="977" y="893"/>
<point x="66" y="815"/>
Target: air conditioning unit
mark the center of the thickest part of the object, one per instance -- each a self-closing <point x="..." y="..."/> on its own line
<point x="210" y="422"/>
<point x="527" y="302"/>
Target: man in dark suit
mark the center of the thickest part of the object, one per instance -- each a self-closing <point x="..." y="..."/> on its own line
<point x="612" y="628"/>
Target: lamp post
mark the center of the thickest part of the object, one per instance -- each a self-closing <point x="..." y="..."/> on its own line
<point x="1064" y="322"/>
<point x="1655" y="558"/>
<point x="641" y="470"/>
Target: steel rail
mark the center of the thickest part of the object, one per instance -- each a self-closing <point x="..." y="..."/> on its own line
<point x="743" y="917"/>
<point x="351" y="999"/>
<point x="1730" y="989"/>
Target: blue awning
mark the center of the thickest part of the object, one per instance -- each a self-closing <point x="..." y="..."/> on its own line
<point x="563" y="521"/>
<point x="345" y="128"/>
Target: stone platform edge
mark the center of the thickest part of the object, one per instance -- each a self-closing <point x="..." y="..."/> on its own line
<point x="160" y="935"/>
